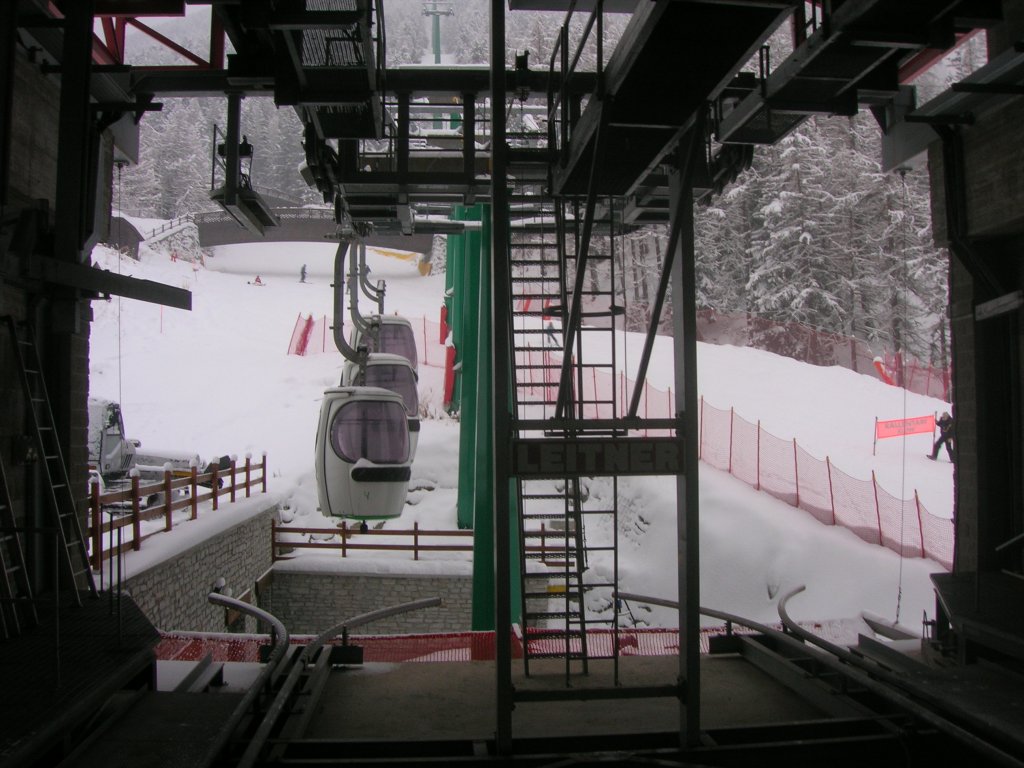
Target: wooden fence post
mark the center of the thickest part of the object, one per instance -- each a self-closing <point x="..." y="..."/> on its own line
<point x="193" y="486"/>
<point x="344" y="539"/>
<point x="234" y="469"/>
<point x="920" y="526"/>
<point x="878" y="511"/>
<point x="136" y="522"/>
<point x="264" y="472"/>
<point x="543" y="545"/>
<point x="215" y="483"/>
<point x="248" y="473"/>
<point x="796" y="475"/>
<point x="97" y="525"/>
<point x="416" y="541"/>
<point x="831" y="496"/>
<point x="168" y="523"/>
<point x="700" y="431"/>
<point x="758" y="486"/>
<point x="732" y="415"/>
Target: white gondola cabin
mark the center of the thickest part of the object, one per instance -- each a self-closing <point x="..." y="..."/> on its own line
<point x="394" y="373"/>
<point x="388" y="333"/>
<point x="362" y="453"/>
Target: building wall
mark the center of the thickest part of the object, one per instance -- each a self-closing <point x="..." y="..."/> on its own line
<point x="173" y="594"/>
<point x="313" y="601"/>
<point x="994" y="155"/>
<point x="60" y="317"/>
<point x="987" y="388"/>
<point x="35" y="109"/>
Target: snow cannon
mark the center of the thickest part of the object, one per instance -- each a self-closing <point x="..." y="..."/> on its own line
<point x="394" y="373"/>
<point x="388" y="333"/>
<point x="362" y="453"/>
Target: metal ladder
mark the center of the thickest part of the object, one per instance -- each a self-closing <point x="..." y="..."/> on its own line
<point x="74" y="562"/>
<point x="552" y="513"/>
<point x="17" y="607"/>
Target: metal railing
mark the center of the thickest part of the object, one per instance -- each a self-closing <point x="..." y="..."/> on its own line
<point x="216" y="486"/>
<point x="560" y="112"/>
<point x="348" y="538"/>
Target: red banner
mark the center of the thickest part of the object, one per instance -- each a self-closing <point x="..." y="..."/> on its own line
<point x="899" y="427"/>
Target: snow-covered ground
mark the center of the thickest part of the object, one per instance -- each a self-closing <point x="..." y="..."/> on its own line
<point x="218" y="380"/>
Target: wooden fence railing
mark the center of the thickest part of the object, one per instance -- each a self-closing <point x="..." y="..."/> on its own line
<point x="126" y="515"/>
<point x="350" y="538"/>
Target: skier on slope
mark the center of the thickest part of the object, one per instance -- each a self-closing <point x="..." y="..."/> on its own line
<point x="945" y="425"/>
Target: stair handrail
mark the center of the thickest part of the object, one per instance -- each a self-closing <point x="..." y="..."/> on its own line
<point x="560" y="52"/>
<point x="279" y="646"/>
<point x="876" y="679"/>
<point x="277" y="706"/>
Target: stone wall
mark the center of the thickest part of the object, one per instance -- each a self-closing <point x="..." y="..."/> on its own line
<point x="308" y="602"/>
<point x="993" y="155"/>
<point x="34" y="121"/>
<point x="181" y="240"/>
<point x="173" y="593"/>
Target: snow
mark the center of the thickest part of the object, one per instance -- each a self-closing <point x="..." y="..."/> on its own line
<point x="142" y="225"/>
<point x="217" y="380"/>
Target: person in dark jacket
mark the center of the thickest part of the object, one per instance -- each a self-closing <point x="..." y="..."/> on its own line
<point x="945" y="425"/>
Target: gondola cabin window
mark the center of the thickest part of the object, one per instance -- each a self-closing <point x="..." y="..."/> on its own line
<point x="375" y="431"/>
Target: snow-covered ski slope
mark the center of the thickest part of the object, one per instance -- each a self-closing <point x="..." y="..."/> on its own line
<point x="218" y="380"/>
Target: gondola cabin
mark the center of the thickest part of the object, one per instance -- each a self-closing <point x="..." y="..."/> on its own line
<point x="394" y="373"/>
<point x="388" y="333"/>
<point x="362" y="453"/>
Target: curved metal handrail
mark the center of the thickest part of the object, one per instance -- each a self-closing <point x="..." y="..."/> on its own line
<point x="338" y="328"/>
<point x="278" y="704"/>
<point x="277" y="654"/>
<point x="877" y="680"/>
<point x="365" y="326"/>
<point x="809" y="637"/>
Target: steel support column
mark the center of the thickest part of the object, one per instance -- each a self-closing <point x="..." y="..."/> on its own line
<point x="231" y="141"/>
<point x="8" y="35"/>
<point x="75" y="133"/>
<point x="684" y="330"/>
<point x="469" y="145"/>
<point x="501" y="307"/>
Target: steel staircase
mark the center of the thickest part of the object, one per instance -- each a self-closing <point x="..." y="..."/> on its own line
<point x="17" y="608"/>
<point x="74" y="563"/>
<point x="556" y="555"/>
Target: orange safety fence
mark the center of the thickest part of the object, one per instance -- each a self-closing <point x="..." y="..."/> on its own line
<point x="765" y="462"/>
<point x="786" y="471"/>
<point x="730" y="443"/>
<point x="315" y="337"/>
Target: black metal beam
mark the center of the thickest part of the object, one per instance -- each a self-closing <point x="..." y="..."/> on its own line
<point x="684" y="331"/>
<point x="139" y="8"/>
<point x="166" y="81"/>
<point x="572" y="321"/>
<point x="74" y="135"/>
<point x="231" y="141"/>
<point x="8" y="36"/>
<point x="103" y="282"/>
<point x="314" y="19"/>
<point x="501" y="360"/>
